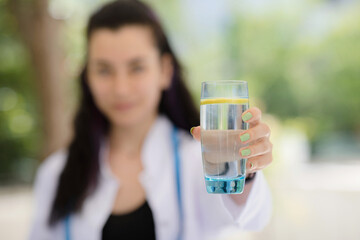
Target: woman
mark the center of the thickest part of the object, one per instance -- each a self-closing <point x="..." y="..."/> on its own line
<point x="117" y="177"/>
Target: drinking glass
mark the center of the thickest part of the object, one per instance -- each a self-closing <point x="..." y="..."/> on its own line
<point x="221" y="106"/>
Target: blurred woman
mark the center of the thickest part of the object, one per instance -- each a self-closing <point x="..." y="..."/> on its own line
<point x="118" y="178"/>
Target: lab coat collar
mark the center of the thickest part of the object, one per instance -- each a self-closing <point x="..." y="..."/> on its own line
<point x="157" y="180"/>
<point x="155" y="146"/>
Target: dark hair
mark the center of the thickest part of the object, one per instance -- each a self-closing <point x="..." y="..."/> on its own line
<point x="79" y="176"/>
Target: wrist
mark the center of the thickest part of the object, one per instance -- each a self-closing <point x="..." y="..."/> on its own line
<point x="250" y="177"/>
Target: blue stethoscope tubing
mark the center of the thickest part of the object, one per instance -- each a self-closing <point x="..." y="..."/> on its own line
<point x="177" y="167"/>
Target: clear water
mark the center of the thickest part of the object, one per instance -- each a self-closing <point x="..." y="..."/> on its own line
<point x="221" y="125"/>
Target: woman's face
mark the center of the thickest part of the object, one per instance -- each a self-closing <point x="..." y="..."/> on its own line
<point x="127" y="74"/>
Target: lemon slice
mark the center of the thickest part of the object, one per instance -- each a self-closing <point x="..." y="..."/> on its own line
<point x="224" y="100"/>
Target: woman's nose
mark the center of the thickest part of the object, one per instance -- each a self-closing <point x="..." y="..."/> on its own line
<point x="121" y="84"/>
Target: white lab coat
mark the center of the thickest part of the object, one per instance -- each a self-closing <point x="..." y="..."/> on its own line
<point x="204" y="214"/>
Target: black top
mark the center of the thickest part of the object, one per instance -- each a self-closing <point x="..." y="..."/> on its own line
<point x="138" y="224"/>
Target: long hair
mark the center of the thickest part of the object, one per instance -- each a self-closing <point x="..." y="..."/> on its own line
<point x="79" y="176"/>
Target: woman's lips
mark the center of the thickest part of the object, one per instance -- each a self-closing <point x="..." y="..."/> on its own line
<point x="123" y="106"/>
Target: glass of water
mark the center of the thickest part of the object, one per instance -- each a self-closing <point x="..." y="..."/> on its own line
<point x="221" y="106"/>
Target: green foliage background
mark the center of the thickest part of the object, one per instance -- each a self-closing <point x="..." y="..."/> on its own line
<point x="299" y="70"/>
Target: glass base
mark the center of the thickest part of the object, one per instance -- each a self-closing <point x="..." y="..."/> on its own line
<point x="225" y="186"/>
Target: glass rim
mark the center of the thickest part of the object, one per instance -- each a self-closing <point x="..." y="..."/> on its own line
<point x="224" y="81"/>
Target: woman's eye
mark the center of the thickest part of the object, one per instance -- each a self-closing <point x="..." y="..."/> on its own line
<point x="137" y="69"/>
<point x="103" y="72"/>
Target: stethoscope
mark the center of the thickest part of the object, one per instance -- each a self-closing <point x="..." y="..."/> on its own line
<point x="177" y="169"/>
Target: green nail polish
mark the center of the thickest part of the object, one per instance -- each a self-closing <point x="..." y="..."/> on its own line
<point x="247" y="116"/>
<point x="191" y="130"/>
<point x="251" y="165"/>
<point x="245" y="152"/>
<point x="245" y="137"/>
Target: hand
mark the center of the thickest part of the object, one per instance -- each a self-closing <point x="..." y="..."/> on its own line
<point x="259" y="151"/>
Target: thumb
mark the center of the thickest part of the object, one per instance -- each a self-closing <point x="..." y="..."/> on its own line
<point x="195" y="132"/>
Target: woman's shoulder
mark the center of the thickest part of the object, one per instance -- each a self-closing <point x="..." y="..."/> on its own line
<point x="53" y="163"/>
<point x="190" y="148"/>
<point x="186" y="138"/>
<point x="44" y="192"/>
<point x="51" y="167"/>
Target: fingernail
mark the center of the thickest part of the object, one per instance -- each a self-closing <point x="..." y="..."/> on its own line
<point x="245" y="152"/>
<point x="191" y="130"/>
<point x="245" y="137"/>
<point x="247" y="116"/>
<point x="251" y="165"/>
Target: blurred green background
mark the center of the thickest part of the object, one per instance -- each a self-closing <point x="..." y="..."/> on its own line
<point x="301" y="59"/>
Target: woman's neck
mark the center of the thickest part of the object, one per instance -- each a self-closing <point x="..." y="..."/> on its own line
<point x="127" y="141"/>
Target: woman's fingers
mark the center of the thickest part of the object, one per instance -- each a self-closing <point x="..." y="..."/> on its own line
<point x="261" y="147"/>
<point x="257" y="163"/>
<point x="252" y="116"/>
<point x="259" y="151"/>
<point x="259" y="131"/>
<point x="195" y="131"/>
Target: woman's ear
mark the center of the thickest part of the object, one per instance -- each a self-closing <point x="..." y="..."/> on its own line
<point x="167" y="70"/>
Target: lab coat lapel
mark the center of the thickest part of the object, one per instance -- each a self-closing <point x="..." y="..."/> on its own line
<point x="158" y="178"/>
<point x="97" y="207"/>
